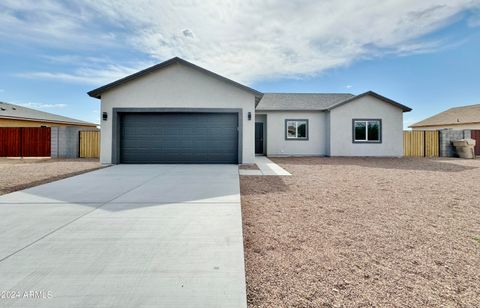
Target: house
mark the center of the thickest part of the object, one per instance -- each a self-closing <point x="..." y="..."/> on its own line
<point x="177" y="112"/>
<point x="19" y="116"/>
<point x="458" y="118"/>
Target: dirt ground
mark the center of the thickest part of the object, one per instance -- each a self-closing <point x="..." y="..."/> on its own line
<point x="364" y="232"/>
<point x="17" y="174"/>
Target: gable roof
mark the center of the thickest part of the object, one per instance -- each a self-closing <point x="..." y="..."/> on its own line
<point x="97" y="93"/>
<point x="377" y="96"/>
<point x="453" y="116"/>
<point x="11" y="111"/>
<point x="300" y="101"/>
<point x="315" y="101"/>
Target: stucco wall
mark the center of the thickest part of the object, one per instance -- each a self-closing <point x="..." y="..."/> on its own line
<point x="366" y="107"/>
<point x="178" y="86"/>
<point x="277" y="145"/>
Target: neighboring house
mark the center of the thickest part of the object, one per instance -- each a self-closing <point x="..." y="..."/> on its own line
<point x="177" y="112"/>
<point x="465" y="117"/>
<point x="18" y="116"/>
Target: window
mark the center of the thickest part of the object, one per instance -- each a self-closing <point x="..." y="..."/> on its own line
<point x="367" y="131"/>
<point x="296" y="129"/>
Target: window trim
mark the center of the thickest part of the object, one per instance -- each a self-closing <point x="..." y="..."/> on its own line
<point x="296" y="138"/>
<point x="379" y="141"/>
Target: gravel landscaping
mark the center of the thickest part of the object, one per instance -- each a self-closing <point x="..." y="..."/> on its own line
<point x="364" y="232"/>
<point x="17" y="174"/>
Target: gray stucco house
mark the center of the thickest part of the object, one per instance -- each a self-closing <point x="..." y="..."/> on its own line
<point x="177" y="112"/>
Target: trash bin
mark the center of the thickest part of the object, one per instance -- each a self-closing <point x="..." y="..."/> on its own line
<point x="465" y="148"/>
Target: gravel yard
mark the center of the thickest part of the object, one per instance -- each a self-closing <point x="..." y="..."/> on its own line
<point x="364" y="232"/>
<point x="17" y="174"/>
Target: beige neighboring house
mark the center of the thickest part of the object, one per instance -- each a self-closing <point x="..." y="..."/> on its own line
<point x="19" y="116"/>
<point x="465" y="117"/>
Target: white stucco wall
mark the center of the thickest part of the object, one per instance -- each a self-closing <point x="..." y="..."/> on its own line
<point x="178" y="86"/>
<point x="277" y="145"/>
<point x="366" y="107"/>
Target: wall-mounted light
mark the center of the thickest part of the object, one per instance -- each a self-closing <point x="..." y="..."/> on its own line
<point x="249" y="116"/>
<point x="104" y="116"/>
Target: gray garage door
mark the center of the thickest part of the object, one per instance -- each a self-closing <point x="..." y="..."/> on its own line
<point x="183" y="138"/>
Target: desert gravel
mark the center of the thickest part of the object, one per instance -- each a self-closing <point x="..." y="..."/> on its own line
<point x="16" y="174"/>
<point x="364" y="232"/>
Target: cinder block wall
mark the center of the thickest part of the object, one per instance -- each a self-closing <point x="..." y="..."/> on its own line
<point x="447" y="136"/>
<point x="65" y="141"/>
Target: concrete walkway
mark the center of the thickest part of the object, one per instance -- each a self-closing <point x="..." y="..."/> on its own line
<point x="266" y="166"/>
<point x="126" y="236"/>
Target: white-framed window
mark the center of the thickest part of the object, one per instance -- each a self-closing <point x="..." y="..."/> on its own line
<point x="296" y="129"/>
<point x="367" y="130"/>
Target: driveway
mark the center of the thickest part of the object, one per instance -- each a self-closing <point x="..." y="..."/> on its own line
<point x="125" y="236"/>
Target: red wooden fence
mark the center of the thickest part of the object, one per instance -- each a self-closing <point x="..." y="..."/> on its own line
<point x="25" y="141"/>
<point x="476" y="136"/>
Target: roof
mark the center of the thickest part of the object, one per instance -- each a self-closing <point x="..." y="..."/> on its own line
<point x="11" y="111"/>
<point x="377" y="96"/>
<point x="301" y="101"/>
<point x="453" y="116"/>
<point x="315" y="101"/>
<point x="97" y="93"/>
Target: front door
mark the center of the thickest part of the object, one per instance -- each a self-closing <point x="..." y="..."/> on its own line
<point x="259" y="138"/>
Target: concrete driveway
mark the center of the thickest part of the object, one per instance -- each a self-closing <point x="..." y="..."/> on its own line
<point x="125" y="236"/>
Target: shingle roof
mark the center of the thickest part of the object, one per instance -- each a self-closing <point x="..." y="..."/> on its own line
<point x="301" y="101"/>
<point x="11" y="111"/>
<point x="453" y="116"/>
<point x="316" y="101"/>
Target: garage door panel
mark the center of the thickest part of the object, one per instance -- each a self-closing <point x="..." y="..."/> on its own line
<point x="179" y="138"/>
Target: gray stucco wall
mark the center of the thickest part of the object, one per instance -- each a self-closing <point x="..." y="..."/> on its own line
<point x="65" y="141"/>
<point x="366" y="107"/>
<point x="178" y="86"/>
<point x="277" y="145"/>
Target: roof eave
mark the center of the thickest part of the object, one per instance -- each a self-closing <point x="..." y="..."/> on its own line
<point x="97" y="93"/>
<point x="376" y="95"/>
<point x="48" y="121"/>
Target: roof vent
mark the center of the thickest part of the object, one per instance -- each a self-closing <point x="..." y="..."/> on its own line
<point x="3" y="109"/>
<point x="14" y="108"/>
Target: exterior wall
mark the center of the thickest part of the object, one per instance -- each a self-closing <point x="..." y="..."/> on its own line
<point x="277" y="145"/>
<point x="178" y="86"/>
<point x="366" y="107"/>
<point x="65" y="141"/>
<point x="456" y="127"/>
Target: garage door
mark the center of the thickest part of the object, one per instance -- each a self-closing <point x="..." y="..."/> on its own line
<point x="183" y="138"/>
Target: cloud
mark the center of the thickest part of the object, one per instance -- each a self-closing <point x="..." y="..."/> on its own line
<point x="243" y="40"/>
<point x="42" y="105"/>
<point x="89" y="74"/>
<point x="348" y="86"/>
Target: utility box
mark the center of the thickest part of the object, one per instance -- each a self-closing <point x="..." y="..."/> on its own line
<point x="465" y="148"/>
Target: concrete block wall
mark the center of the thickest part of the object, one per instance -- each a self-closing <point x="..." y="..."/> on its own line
<point x="447" y="136"/>
<point x="65" y="141"/>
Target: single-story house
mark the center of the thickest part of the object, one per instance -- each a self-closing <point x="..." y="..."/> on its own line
<point x="464" y="117"/>
<point x="177" y="112"/>
<point x="19" y="116"/>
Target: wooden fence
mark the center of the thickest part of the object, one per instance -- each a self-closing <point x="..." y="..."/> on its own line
<point x="89" y="144"/>
<point x="25" y="141"/>
<point x="421" y="143"/>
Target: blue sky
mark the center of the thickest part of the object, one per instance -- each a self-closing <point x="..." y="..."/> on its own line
<point x="424" y="55"/>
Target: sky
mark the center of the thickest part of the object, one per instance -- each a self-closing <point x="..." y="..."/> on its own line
<point x="424" y="54"/>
